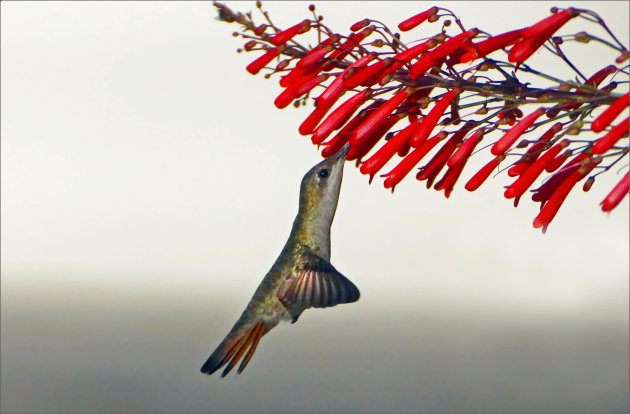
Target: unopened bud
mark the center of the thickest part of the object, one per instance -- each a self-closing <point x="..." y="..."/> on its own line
<point x="377" y="43"/>
<point x="359" y="25"/>
<point x="249" y="45"/>
<point x="622" y="57"/>
<point x="524" y="143"/>
<point x="588" y="184"/>
<point x="433" y="18"/>
<point x="283" y="64"/>
<point x="260" y="29"/>
<point x="259" y="4"/>
<point x="482" y="111"/>
<point x="582" y="37"/>
<point x="311" y="7"/>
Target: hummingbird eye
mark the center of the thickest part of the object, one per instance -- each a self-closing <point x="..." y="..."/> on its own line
<point x="323" y="173"/>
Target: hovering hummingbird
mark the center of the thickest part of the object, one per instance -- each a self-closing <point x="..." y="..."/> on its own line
<point x="301" y="277"/>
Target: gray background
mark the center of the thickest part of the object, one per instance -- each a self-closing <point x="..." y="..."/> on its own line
<point x="148" y="183"/>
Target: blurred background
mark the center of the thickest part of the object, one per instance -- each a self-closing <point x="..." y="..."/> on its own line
<point x="148" y="184"/>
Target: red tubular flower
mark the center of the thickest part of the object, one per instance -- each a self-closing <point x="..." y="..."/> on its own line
<point x="616" y="195"/>
<point x="341" y="138"/>
<point x="405" y="56"/>
<point x="285" y="98"/>
<point x="359" y="151"/>
<point x="313" y="56"/>
<point x="435" y="165"/>
<point x="605" y="118"/>
<point x="468" y="146"/>
<point x="327" y="99"/>
<point x="558" y="161"/>
<point x="549" y="209"/>
<point x="353" y="41"/>
<point x="295" y="75"/>
<point x="516" y="131"/>
<point x="594" y="80"/>
<point x="374" y="121"/>
<point x="308" y="126"/>
<point x="550" y="24"/>
<point x="430" y="121"/>
<point x="262" y="61"/>
<point x="295" y="91"/>
<point x="534" y="151"/>
<point x="521" y="51"/>
<point x="440" y="52"/>
<point x="610" y="139"/>
<point x="542" y="193"/>
<point x="286" y="35"/>
<point x="491" y="44"/>
<point x="401" y="170"/>
<point x="363" y="74"/>
<point x="301" y="89"/>
<point x="533" y="37"/>
<point x="416" y="20"/>
<point x="481" y="175"/>
<point x="373" y="164"/>
<point x="527" y="178"/>
<point x="339" y="116"/>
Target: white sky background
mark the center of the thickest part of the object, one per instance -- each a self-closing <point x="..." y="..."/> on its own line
<point x="148" y="183"/>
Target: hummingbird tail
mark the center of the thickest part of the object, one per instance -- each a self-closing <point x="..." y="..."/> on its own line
<point x="232" y="349"/>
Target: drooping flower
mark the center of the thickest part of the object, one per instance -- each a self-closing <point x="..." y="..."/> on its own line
<point x="558" y="161"/>
<point x="605" y="118"/>
<point x="483" y="174"/>
<point x="485" y="47"/>
<point x="534" y="151"/>
<point x="400" y="59"/>
<point x="550" y="24"/>
<point x="435" y="165"/>
<point x="327" y="99"/>
<point x="262" y="61"/>
<point x="527" y="178"/>
<point x="617" y="194"/>
<point x="375" y="120"/>
<point x="373" y="164"/>
<point x="440" y="52"/>
<point x="339" y="116"/>
<point x="610" y="139"/>
<point x="510" y="137"/>
<point x="401" y="170"/>
<point x="542" y="193"/>
<point x="430" y="121"/>
<point x="416" y="20"/>
<point x="286" y="35"/>
<point x="341" y="138"/>
<point x="357" y="152"/>
<point x="465" y="150"/>
<point x="549" y="209"/>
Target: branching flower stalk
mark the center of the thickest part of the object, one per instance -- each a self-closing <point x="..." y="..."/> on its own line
<point x="454" y="94"/>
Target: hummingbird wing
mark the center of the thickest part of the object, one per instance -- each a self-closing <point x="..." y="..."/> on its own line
<point x="316" y="284"/>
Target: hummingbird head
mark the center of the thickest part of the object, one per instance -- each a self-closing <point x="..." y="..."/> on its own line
<point x="319" y="193"/>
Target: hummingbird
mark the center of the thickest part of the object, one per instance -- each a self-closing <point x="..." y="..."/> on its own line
<point x="300" y="278"/>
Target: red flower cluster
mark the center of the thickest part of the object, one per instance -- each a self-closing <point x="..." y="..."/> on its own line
<point x="427" y="84"/>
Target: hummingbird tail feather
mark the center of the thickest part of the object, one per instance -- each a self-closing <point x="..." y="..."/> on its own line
<point x="232" y="349"/>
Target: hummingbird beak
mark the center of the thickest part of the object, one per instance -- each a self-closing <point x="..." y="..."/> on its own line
<point x="342" y="152"/>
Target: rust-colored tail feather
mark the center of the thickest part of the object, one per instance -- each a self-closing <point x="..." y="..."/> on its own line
<point x="232" y="349"/>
